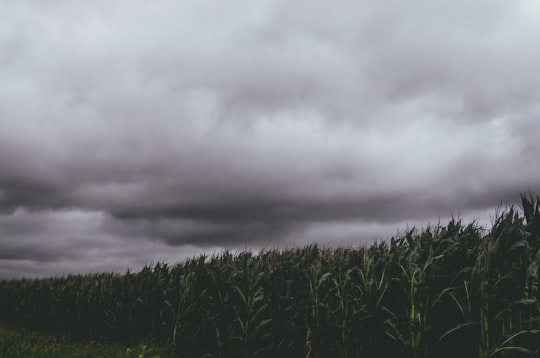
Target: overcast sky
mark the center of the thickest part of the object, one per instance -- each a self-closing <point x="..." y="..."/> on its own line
<point x="138" y="131"/>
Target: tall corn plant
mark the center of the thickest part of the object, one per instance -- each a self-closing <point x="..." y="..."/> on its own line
<point x="373" y="317"/>
<point x="317" y="279"/>
<point x="221" y="270"/>
<point x="283" y="292"/>
<point x="453" y="314"/>
<point x="346" y="302"/>
<point x="250" y="316"/>
<point x="418" y="272"/>
<point x="500" y="279"/>
<point x="190" y="318"/>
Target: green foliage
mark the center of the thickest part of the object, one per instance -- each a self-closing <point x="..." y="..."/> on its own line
<point x="18" y="342"/>
<point x="443" y="291"/>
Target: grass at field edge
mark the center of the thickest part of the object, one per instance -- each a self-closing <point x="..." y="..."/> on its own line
<point x="18" y="342"/>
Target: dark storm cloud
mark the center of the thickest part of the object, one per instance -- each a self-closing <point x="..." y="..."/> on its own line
<point x="166" y="127"/>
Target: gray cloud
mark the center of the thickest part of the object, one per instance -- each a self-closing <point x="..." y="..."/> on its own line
<point x="174" y="128"/>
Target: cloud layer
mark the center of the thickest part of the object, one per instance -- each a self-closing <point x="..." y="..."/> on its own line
<point x="139" y="131"/>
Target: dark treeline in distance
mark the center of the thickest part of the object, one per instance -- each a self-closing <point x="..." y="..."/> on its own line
<point x="443" y="291"/>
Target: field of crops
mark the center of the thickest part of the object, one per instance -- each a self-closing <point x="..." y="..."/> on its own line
<point x="443" y="291"/>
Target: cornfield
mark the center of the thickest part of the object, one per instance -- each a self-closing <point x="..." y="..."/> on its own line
<point x="441" y="291"/>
